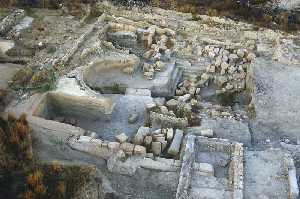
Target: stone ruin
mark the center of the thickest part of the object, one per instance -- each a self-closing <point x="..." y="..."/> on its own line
<point x="164" y="105"/>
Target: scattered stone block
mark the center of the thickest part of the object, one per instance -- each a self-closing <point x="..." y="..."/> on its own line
<point x="170" y="134"/>
<point x="139" y="137"/>
<point x="127" y="148"/>
<point x="148" y="140"/>
<point x="176" y="143"/>
<point x="207" y="133"/>
<point x="156" y="148"/>
<point x="139" y="150"/>
<point x="122" y="137"/>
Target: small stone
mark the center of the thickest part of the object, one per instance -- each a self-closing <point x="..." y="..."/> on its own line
<point x="133" y="118"/>
<point x="148" y="54"/>
<point x="207" y="133"/>
<point x="205" y="77"/>
<point x="139" y="137"/>
<point x="221" y="80"/>
<point x="211" y="55"/>
<point x="233" y="57"/>
<point x="121" y="137"/>
<point x="250" y="57"/>
<point x="218" y="61"/>
<point x="164" y="110"/>
<point x="225" y="58"/>
<point x="216" y="50"/>
<point x="170" y="134"/>
<point x="148" y="140"/>
<point x="159" y="138"/>
<point x="163" y="145"/>
<point x="224" y="65"/>
<point x="192" y="90"/>
<point x="241" y="53"/>
<point x="184" y="98"/>
<point x="127" y="148"/>
<point x="156" y="148"/>
<point x="198" y="91"/>
<point x="172" y="104"/>
<point x="150" y="106"/>
<point x="139" y="150"/>
<point x="229" y="87"/>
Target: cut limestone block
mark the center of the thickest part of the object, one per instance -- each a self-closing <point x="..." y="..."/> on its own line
<point x="139" y="150"/>
<point x="175" y="146"/>
<point x="156" y="148"/>
<point x="122" y="137"/>
<point x="127" y="148"/>
<point x="139" y="137"/>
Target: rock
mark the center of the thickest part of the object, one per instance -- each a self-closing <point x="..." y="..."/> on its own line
<point x="205" y="77"/>
<point x="127" y="148"/>
<point x="229" y="86"/>
<point x="148" y="140"/>
<point x="204" y="169"/>
<point x="170" y="134"/>
<point x="233" y="57"/>
<point x="163" y="145"/>
<point x="220" y="80"/>
<point x="207" y="133"/>
<point x="164" y="110"/>
<point x="241" y="53"/>
<point x="224" y="65"/>
<point x="225" y="58"/>
<point x="159" y="138"/>
<point x="198" y="91"/>
<point x="184" y="98"/>
<point x="172" y="104"/>
<point x="114" y="146"/>
<point x="218" y="61"/>
<point x="192" y="90"/>
<point x="147" y="67"/>
<point x="139" y="137"/>
<point x="133" y="118"/>
<point x="139" y="150"/>
<point x="156" y="148"/>
<point x="150" y="106"/>
<point x="121" y="137"/>
<point x="148" y="54"/>
<point x="250" y="57"/>
<point x="176" y="143"/>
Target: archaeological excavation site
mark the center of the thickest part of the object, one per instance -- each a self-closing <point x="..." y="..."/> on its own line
<point x="186" y="99"/>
